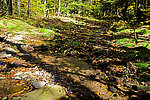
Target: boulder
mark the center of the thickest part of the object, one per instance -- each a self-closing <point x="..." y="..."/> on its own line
<point x="53" y="92"/>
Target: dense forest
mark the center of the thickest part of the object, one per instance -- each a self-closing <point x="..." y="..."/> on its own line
<point x="74" y="49"/>
<point x="126" y="9"/>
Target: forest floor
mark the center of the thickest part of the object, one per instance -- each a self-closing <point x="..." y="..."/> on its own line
<point x="90" y="58"/>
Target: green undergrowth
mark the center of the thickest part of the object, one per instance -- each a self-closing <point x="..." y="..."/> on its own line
<point x="138" y="31"/>
<point x="20" y="25"/>
<point x="124" y="36"/>
<point x="130" y="43"/>
<point x="15" y="25"/>
<point x="143" y="66"/>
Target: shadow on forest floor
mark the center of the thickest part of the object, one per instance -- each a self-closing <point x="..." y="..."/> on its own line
<point x="82" y="92"/>
<point x="79" y="41"/>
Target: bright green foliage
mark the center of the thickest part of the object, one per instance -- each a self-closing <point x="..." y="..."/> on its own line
<point x="96" y="8"/>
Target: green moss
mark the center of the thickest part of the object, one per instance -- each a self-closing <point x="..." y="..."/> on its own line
<point x="148" y="47"/>
<point x="142" y="65"/>
<point x="14" y="47"/>
<point x="23" y="41"/>
<point x="126" y="30"/>
<point x="128" y="45"/>
<point x="124" y="40"/>
<point x="44" y="30"/>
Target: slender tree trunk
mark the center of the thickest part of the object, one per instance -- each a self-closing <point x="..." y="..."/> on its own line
<point x="46" y="9"/>
<point x="79" y="11"/>
<point x="18" y="7"/>
<point x="90" y="4"/>
<point x="31" y="8"/>
<point x="117" y="12"/>
<point x="54" y="7"/>
<point x="136" y="6"/>
<point x="67" y="5"/>
<point x="135" y="36"/>
<point x="0" y="3"/>
<point x="147" y="7"/>
<point x="10" y="8"/>
<point x="59" y="4"/>
<point x="124" y="11"/>
<point x="144" y="4"/>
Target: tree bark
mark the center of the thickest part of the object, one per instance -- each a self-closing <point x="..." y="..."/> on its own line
<point x="31" y="8"/>
<point x="54" y="11"/>
<point x="10" y="8"/>
<point x="18" y="7"/>
<point x="46" y="9"/>
<point x="28" y="8"/>
<point x="136" y="6"/>
<point x="0" y="4"/>
<point x="124" y="11"/>
<point x="67" y="5"/>
<point x="79" y="11"/>
<point x="59" y="4"/>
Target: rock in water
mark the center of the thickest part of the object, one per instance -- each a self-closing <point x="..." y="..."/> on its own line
<point x="45" y="93"/>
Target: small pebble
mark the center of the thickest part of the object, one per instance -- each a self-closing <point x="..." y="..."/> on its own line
<point x="39" y="84"/>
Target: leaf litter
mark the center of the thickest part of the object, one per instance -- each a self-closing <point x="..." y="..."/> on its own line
<point x="106" y="59"/>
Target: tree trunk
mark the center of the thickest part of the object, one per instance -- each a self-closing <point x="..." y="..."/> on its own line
<point x="10" y="8"/>
<point x="54" y="7"/>
<point x="124" y="11"/>
<point x="46" y="9"/>
<point x="0" y="4"/>
<point x="136" y="6"/>
<point x="67" y="5"/>
<point x="18" y="7"/>
<point x="59" y="4"/>
<point x="79" y="11"/>
<point x="135" y="36"/>
<point x="31" y="8"/>
<point x="28" y="8"/>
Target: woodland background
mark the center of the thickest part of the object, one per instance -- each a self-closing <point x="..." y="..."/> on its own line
<point x="95" y="49"/>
